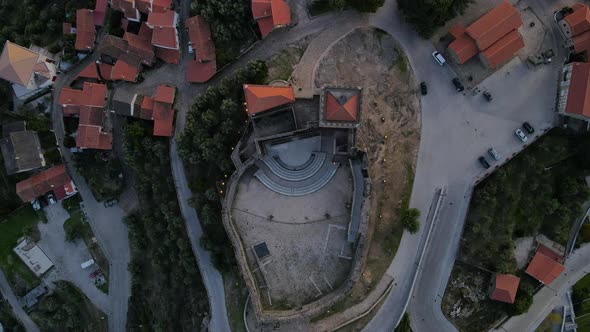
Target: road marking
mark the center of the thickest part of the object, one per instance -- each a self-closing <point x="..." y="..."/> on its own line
<point x="316" y="287"/>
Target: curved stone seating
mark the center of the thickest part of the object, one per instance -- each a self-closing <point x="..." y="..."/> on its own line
<point x="290" y="188"/>
<point x="299" y="173"/>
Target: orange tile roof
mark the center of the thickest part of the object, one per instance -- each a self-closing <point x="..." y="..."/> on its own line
<point x="145" y="32"/>
<point x="143" y="48"/>
<point x="503" y="49"/>
<point x="165" y="19"/>
<point x="165" y="37"/>
<point x="163" y="119"/>
<point x="160" y="6"/>
<point x="165" y="94"/>
<point x="346" y="110"/>
<point x="550" y="253"/>
<point x="99" y="12"/>
<point x="92" y="94"/>
<point x="85" y="30"/>
<point x="92" y="137"/>
<point x="494" y="25"/>
<point x="463" y="48"/>
<point x="42" y="183"/>
<point x="506" y="288"/>
<point x="17" y="64"/>
<point x="582" y="42"/>
<point x="91" y="116"/>
<point x="124" y="72"/>
<point x="578" y="98"/>
<point x="91" y="71"/>
<point x="200" y="37"/>
<point x="168" y="55"/>
<point x="544" y="269"/>
<point x="270" y="14"/>
<point x="579" y="20"/>
<point x="147" y="108"/>
<point x="260" y="98"/>
<point x="200" y="72"/>
<point x="457" y="30"/>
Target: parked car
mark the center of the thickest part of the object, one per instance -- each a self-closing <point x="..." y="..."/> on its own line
<point x="51" y="199"/>
<point x="423" y="88"/>
<point x="36" y="205"/>
<point x="111" y="202"/>
<point x="521" y="136"/>
<point x="487" y="95"/>
<point x="458" y="85"/>
<point x="492" y="152"/>
<point x="484" y="162"/>
<point x="87" y="264"/>
<point x="529" y="129"/>
<point x="439" y="58"/>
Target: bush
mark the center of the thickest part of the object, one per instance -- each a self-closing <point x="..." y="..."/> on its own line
<point x="72" y="204"/>
<point x="69" y="142"/>
<point x="74" y="228"/>
<point x="522" y="304"/>
<point x="404" y="324"/>
<point x="410" y="220"/>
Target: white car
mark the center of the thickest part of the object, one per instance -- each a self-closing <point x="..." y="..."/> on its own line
<point x="521" y="135"/>
<point x="439" y="58"/>
<point x="51" y="199"/>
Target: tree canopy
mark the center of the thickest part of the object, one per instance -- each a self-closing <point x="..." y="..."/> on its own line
<point x="428" y="15"/>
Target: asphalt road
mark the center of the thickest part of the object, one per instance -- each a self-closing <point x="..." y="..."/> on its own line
<point x="22" y="316"/>
<point x="456" y="129"/>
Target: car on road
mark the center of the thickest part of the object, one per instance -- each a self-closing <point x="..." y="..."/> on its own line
<point x="439" y="58"/>
<point x="492" y="152"/>
<point x="458" y="85"/>
<point x="423" y="88"/>
<point x="51" y="199"/>
<point x="521" y="136"/>
<point x="487" y="95"/>
<point x="529" y="129"/>
<point x="484" y="162"/>
<point x="111" y="202"/>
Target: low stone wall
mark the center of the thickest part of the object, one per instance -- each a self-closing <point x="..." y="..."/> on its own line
<point x="309" y="310"/>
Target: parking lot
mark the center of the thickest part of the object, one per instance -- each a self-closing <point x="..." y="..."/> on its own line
<point x="67" y="256"/>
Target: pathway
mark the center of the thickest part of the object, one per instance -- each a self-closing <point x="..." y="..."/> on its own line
<point x="18" y="311"/>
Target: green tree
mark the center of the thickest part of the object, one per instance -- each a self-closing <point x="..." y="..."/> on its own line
<point x="404" y="324"/>
<point x="410" y="220"/>
<point x="522" y="304"/>
<point x="370" y="6"/>
<point x="428" y="15"/>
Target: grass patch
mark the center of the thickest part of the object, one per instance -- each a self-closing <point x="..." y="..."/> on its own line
<point x="19" y="223"/>
<point x="280" y="66"/>
<point x="236" y="294"/>
<point x="401" y="63"/>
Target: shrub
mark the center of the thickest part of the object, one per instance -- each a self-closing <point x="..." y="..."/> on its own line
<point x="410" y="220"/>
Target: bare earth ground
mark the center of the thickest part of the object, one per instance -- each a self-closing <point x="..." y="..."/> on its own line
<point x="389" y="133"/>
<point x="305" y="236"/>
<point x="280" y="65"/>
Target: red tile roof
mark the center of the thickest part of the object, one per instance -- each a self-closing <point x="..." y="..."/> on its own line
<point x="92" y="137"/>
<point x="160" y="6"/>
<point x="582" y="42"/>
<point x="163" y="119"/>
<point x="260" y="98"/>
<point x="345" y="110"/>
<point x="124" y="72"/>
<point x="92" y="94"/>
<point x="145" y="32"/>
<point x="200" y="72"/>
<point x="200" y="37"/>
<point x="143" y="6"/>
<point x="165" y="37"/>
<point x="91" y="71"/>
<point x="127" y="7"/>
<point x="168" y="55"/>
<point x="544" y="269"/>
<point x="99" y="12"/>
<point x="141" y="47"/>
<point x="494" y="25"/>
<point x="91" y="116"/>
<point x="503" y="49"/>
<point x="85" y="30"/>
<point x="67" y="28"/>
<point x="505" y="289"/>
<point x="457" y="30"/>
<point x="165" y="19"/>
<point x="270" y="14"/>
<point x="550" y="253"/>
<point x="579" y="20"/>
<point x="39" y="184"/>
<point x="463" y="47"/>
<point x="165" y="94"/>
<point x="578" y="98"/>
<point x="147" y="108"/>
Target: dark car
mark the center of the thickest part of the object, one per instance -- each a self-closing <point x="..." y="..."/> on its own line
<point x="484" y="162"/>
<point x="458" y="85"/>
<point x="423" y="88"/>
<point x="529" y="129"/>
<point x="487" y="95"/>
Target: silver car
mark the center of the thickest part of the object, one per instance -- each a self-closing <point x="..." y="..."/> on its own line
<point x="521" y="136"/>
<point x="492" y="152"/>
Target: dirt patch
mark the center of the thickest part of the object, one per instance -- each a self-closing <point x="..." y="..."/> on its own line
<point x="523" y="247"/>
<point x="466" y="302"/>
<point x="389" y="134"/>
<point x="280" y="65"/>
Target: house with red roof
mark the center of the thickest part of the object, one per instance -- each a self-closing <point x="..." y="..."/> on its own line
<point x="159" y="108"/>
<point x="574" y="91"/>
<point x="200" y="42"/>
<point x="340" y="107"/>
<point x="261" y="98"/>
<point x="544" y="268"/>
<point x="99" y="14"/>
<point x="88" y="104"/>
<point x="494" y="36"/>
<point x="504" y="288"/>
<point x="85" y="30"/>
<point x="270" y="14"/>
<point x="576" y="27"/>
<point x="55" y="180"/>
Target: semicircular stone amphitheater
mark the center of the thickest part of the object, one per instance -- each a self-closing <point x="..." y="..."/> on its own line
<point x="300" y="180"/>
